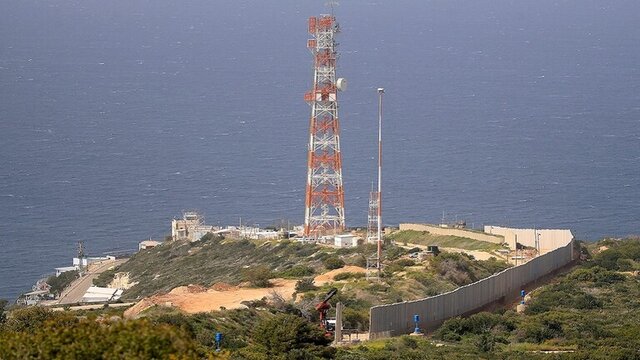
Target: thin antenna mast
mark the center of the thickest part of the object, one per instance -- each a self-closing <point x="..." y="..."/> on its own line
<point x="380" y="93"/>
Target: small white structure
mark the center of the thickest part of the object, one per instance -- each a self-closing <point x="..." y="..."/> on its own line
<point x="345" y="241"/>
<point x="61" y="270"/>
<point x="34" y="297"/>
<point x="85" y="261"/>
<point x="256" y="233"/>
<point x="100" y="294"/>
<point x="147" y="244"/>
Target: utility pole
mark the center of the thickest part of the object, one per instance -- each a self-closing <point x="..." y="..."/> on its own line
<point x="380" y="93"/>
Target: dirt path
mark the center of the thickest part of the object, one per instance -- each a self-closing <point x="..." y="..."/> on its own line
<point x="194" y="299"/>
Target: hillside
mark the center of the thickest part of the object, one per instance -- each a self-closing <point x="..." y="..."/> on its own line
<point x="589" y="313"/>
<point x="241" y="266"/>
<point x="215" y="260"/>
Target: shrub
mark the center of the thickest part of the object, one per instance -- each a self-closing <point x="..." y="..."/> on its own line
<point x="333" y="263"/>
<point x="625" y="264"/>
<point x="63" y="336"/>
<point x="598" y="275"/>
<point x="348" y="275"/>
<point x="485" y="342"/>
<point x="355" y="319"/>
<point x="586" y="301"/>
<point x="480" y="323"/>
<point x="405" y="262"/>
<point x="298" y="271"/>
<point x="257" y="276"/>
<point x="539" y="329"/>
<point x="360" y="261"/>
<point x="394" y="252"/>
<point x="305" y="284"/>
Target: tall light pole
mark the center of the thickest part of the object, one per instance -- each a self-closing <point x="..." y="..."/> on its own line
<point x="380" y="93"/>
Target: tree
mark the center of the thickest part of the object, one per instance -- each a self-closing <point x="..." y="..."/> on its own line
<point x="58" y="283"/>
<point x="286" y="336"/>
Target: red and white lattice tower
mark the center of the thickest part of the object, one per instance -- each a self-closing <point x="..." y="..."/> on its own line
<point x="324" y="205"/>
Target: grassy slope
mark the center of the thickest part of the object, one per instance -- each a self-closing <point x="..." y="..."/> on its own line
<point x="426" y="238"/>
<point x="207" y="262"/>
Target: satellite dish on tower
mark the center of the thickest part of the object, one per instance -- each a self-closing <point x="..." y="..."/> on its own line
<point x="341" y="84"/>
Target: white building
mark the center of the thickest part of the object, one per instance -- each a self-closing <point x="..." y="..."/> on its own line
<point x="85" y="261"/>
<point x="147" y="244"/>
<point x="256" y="233"/>
<point x="191" y="227"/>
<point x="100" y="294"/>
<point x="345" y="241"/>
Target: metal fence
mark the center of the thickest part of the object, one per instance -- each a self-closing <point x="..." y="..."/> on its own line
<point x="397" y="319"/>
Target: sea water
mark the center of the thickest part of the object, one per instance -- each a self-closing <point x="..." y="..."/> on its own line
<point x="115" y="116"/>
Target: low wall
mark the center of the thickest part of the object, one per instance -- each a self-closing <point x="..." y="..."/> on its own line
<point x="496" y="239"/>
<point x="397" y="319"/>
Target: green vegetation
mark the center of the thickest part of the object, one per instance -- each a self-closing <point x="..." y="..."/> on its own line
<point x="38" y="333"/>
<point x="257" y="276"/>
<point x="210" y="261"/>
<point x="297" y="271"/>
<point x="305" y="284"/>
<point x="333" y="263"/>
<point x="104" y="279"/>
<point x="589" y="313"/>
<point x="58" y="283"/>
<point x="348" y="275"/>
<point x="426" y="238"/>
<point x="286" y="336"/>
<point x="461" y="269"/>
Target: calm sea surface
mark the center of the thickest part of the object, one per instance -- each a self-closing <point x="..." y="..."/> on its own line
<point x="117" y="115"/>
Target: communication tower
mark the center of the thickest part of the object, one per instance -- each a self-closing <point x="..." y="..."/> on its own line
<point x="324" y="203"/>
<point x="374" y="228"/>
<point x="372" y="218"/>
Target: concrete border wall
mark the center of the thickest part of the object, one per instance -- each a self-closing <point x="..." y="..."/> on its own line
<point x="397" y="319"/>
<point x="437" y="230"/>
<point x="548" y="239"/>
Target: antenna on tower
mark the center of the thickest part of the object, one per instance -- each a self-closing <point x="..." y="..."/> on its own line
<point x="375" y="203"/>
<point x="332" y="4"/>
